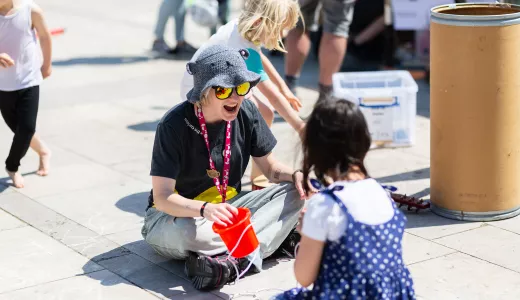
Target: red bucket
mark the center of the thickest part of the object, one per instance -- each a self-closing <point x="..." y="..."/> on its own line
<point x="231" y="234"/>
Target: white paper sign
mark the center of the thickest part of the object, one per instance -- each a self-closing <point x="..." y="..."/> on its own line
<point x="414" y="14"/>
<point x="380" y="123"/>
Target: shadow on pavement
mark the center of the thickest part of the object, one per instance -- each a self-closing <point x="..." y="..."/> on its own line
<point x="144" y="126"/>
<point x="3" y="186"/>
<point x="425" y="219"/>
<point x="134" y="203"/>
<point x="412" y="175"/>
<point x="139" y="265"/>
<point x="107" y="60"/>
<point x="117" y="60"/>
<point x="158" y="279"/>
<point x="5" y="180"/>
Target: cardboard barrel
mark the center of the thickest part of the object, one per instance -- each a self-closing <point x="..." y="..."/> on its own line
<point x="475" y="111"/>
<point x="260" y="183"/>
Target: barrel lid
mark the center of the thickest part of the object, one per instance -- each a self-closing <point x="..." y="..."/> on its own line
<point x="498" y="14"/>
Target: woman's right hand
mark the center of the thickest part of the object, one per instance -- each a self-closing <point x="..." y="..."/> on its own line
<point x="222" y="214"/>
<point x="6" y="61"/>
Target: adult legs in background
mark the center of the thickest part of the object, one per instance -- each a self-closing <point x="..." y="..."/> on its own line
<point x="337" y="16"/>
<point x="352" y="63"/>
<point x="166" y="10"/>
<point x="177" y="10"/>
<point x="223" y="14"/>
<point x="19" y="110"/>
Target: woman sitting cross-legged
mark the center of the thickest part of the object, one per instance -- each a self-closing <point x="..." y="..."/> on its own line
<point x="189" y="185"/>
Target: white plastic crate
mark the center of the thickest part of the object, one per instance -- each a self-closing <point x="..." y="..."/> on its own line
<point x="388" y="100"/>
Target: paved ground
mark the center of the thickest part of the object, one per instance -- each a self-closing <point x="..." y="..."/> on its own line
<point x="76" y="234"/>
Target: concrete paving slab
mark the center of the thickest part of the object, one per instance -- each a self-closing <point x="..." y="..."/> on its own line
<point x="133" y="241"/>
<point x="110" y="115"/>
<point x="73" y="177"/>
<point x="512" y="224"/>
<point x="430" y="226"/>
<point x="51" y="127"/>
<point x="29" y="211"/>
<point x="103" y="114"/>
<point x="108" y="146"/>
<point x="31" y="161"/>
<point x="488" y="243"/>
<point x="388" y="166"/>
<point x="138" y="169"/>
<point x="5" y="189"/>
<point x="154" y="104"/>
<point x="81" y="239"/>
<point x="416" y="249"/>
<point x="75" y="236"/>
<point x="460" y="276"/>
<point x="85" y="287"/>
<point x="146" y="275"/>
<point x="29" y="257"/>
<point x="7" y="221"/>
<point x="265" y="284"/>
<point x="104" y="210"/>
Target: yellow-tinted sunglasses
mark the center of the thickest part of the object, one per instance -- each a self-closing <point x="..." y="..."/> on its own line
<point x="223" y="93"/>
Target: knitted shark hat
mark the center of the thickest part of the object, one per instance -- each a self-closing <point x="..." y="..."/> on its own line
<point x="219" y="65"/>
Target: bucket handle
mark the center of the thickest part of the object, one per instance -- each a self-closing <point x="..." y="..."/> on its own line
<point x="236" y="246"/>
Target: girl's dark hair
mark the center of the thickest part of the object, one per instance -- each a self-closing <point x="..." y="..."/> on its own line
<point x="336" y="139"/>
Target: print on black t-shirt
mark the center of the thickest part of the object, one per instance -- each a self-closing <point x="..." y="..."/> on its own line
<point x="180" y="153"/>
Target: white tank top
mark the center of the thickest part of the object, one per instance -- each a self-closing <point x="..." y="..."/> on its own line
<point x="18" y="40"/>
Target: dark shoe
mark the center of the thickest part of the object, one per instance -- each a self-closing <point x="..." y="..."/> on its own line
<point x="161" y="46"/>
<point x="292" y="83"/>
<point x="325" y="92"/>
<point x="288" y="247"/>
<point x="210" y="273"/>
<point x="183" y="48"/>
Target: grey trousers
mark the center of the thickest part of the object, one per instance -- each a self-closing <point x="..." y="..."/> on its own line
<point x="175" y="9"/>
<point x="275" y="211"/>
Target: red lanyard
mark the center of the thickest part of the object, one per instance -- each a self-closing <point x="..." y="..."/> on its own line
<point x="213" y="173"/>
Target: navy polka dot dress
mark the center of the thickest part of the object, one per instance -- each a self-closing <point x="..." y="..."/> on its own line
<point x="365" y="263"/>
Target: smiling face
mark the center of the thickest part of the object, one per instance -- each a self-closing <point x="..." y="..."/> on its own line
<point x="216" y="109"/>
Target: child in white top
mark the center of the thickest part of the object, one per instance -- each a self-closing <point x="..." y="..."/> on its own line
<point x="22" y="70"/>
<point x="351" y="231"/>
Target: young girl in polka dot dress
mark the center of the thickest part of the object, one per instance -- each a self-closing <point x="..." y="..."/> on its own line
<point x="351" y="231"/>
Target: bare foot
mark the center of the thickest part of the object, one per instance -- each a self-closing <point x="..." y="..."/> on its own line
<point x="45" y="163"/>
<point x="17" y="179"/>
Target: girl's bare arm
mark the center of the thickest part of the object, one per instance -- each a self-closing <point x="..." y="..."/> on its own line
<point x="308" y="260"/>
<point x="280" y="83"/>
<point x="44" y="35"/>
<point x="280" y="103"/>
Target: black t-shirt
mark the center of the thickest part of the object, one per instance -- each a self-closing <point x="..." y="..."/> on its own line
<point x="180" y="152"/>
<point x="365" y="12"/>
